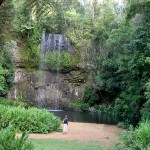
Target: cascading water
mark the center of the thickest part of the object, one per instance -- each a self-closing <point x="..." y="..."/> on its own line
<point x="15" y="93"/>
<point x="59" y="40"/>
<point x="41" y="78"/>
<point x="47" y="91"/>
<point x="56" y="42"/>
<point x="120" y="7"/>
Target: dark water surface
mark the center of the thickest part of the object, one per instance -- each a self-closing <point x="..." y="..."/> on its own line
<point x="88" y="117"/>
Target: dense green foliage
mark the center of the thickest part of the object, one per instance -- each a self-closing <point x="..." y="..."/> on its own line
<point x="84" y="107"/>
<point x="146" y="109"/>
<point x="6" y="70"/>
<point x="74" y="104"/>
<point x="91" y="96"/>
<point x="56" y="60"/>
<point x="6" y="62"/>
<point x="124" y="66"/>
<point x="28" y="34"/>
<point x="136" y="139"/>
<point x="9" y="141"/>
<point x="10" y="102"/>
<point x="34" y="18"/>
<point x="77" y="105"/>
<point x="32" y="119"/>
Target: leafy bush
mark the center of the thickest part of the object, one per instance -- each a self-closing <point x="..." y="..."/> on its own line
<point x="106" y="108"/>
<point x="8" y="140"/>
<point x="60" y="60"/>
<point x="29" y="34"/>
<point x="74" y="104"/>
<point x="146" y="111"/>
<point x="32" y="120"/>
<point x="10" y="102"/>
<point x="124" y="108"/>
<point x="6" y="67"/>
<point x="84" y="107"/>
<point x="123" y="70"/>
<point x="96" y="107"/>
<point x="90" y="96"/>
<point x="28" y="55"/>
<point x="146" y="106"/>
<point x="147" y="92"/>
<point x="136" y="139"/>
<point x="123" y="125"/>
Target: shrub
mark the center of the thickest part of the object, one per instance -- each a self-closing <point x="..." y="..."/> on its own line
<point x="146" y="111"/>
<point x="91" y="96"/>
<point x="96" y="107"/>
<point x="136" y="138"/>
<point x="6" y="67"/>
<point x="84" y="107"/>
<point x="74" y="104"/>
<point x="32" y="120"/>
<point x="8" y="140"/>
<point x="10" y="102"/>
<point x="123" y="125"/>
<point x="106" y="108"/>
<point x="56" y="60"/>
<point x="124" y="108"/>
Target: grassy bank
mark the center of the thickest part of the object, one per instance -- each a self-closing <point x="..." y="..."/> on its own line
<point x="51" y="144"/>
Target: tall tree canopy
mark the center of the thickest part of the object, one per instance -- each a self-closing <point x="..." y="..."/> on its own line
<point x="124" y="69"/>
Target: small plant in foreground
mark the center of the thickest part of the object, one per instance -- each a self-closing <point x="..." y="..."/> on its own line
<point x="136" y="138"/>
<point x="9" y="141"/>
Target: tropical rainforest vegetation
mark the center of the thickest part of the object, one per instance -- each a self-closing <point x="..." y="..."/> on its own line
<point x="113" y="39"/>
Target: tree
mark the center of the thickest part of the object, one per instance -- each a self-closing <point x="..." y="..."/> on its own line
<point x="123" y="71"/>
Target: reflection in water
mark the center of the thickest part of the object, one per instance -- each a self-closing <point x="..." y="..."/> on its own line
<point x="89" y="117"/>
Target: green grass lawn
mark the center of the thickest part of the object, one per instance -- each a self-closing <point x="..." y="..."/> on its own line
<point x="51" y="144"/>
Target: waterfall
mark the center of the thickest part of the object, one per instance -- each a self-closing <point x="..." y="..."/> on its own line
<point x="55" y="42"/>
<point x="15" y="93"/>
<point x="50" y="92"/>
<point x="58" y="43"/>
<point x="41" y="77"/>
<point x="120" y="7"/>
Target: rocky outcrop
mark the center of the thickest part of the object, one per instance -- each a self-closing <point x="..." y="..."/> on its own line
<point x="48" y="89"/>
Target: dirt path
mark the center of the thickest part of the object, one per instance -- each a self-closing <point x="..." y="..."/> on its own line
<point x="105" y="134"/>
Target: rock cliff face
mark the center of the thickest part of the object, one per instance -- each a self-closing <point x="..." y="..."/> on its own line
<point x="47" y="89"/>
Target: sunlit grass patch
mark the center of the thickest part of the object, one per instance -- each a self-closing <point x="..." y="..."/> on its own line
<point x="51" y="144"/>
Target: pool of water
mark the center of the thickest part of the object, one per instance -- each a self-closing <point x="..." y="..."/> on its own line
<point x="88" y="117"/>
